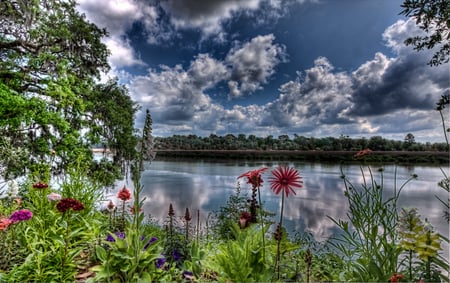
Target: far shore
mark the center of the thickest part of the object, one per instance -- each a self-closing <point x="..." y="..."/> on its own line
<point x="415" y="157"/>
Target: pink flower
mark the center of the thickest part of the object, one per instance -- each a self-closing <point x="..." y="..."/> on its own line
<point x="21" y="215"/>
<point x="53" y="197"/>
<point x="4" y="223"/>
<point x="285" y="179"/>
<point x="254" y="176"/>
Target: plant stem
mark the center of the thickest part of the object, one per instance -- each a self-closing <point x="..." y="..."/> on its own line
<point x="280" y="236"/>
<point x="262" y="225"/>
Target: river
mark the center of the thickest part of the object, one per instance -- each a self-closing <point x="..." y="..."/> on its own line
<point x="206" y="186"/>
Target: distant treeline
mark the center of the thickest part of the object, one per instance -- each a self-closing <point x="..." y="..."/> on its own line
<point x="284" y="142"/>
<point x="342" y="149"/>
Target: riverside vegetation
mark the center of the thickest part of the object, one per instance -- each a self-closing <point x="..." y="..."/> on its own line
<point x="60" y="235"/>
<point x="54" y="109"/>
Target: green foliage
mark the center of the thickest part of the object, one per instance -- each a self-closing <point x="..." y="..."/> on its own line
<point x="369" y="241"/>
<point x="229" y="214"/>
<point x="241" y="260"/>
<point x="51" y="105"/>
<point x="129" y="259"/>
<point x="432" y="16"/>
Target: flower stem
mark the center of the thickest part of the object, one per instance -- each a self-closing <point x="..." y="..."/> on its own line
<point x="280" y="236"/>
<point x="262" y="225"/>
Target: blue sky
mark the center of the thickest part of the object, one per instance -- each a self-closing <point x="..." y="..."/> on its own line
<point x="272" y="67"/>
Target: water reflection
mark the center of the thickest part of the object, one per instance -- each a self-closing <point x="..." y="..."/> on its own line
<point x="206" y="187"/>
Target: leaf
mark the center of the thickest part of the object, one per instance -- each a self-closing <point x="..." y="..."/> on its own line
<point x="100" y="252"/>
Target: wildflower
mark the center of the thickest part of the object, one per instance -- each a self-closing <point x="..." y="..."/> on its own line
<point x="69" y="203"/>
<point x="13" y="189"/>
<point x="110" y="238"/>
<point x="124" y="194"/>
<point x="244" y="219"/>
<point x="53" y="197"/>
<point x="4" y="223"/>
<point x="160" y="262"/>
<point x="18" y="201"/>
<point x="152" y="239"/>
<point x="40" y="185"/>
<point x="176" y="255"/>
<point x="110" y="205"/>
<point x="188" y="275"/>
<point x="285" y="178"/>
<point x="396" y="277"/>
<point x="362" y="153"/>
<point x="254" y="176"/>
<point x="21" y="215"/>
<point x="132" y="209"/>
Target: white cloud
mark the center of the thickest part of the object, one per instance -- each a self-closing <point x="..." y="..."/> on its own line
<point x="206" y="15"/>
<point x="253" y="63"/>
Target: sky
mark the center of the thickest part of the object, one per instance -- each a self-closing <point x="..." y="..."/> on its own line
<point x="315" y="68"/>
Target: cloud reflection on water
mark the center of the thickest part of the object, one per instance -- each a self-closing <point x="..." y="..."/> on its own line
<point x="207" y="186"/>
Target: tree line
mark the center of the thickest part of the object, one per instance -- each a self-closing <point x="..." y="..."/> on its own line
<point x="284" y="142"/>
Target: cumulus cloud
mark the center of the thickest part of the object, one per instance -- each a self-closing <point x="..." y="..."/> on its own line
<point x="118" y="17"/>
<point x="205" y="15"/>
<point x="313" y="100"/>
<point x="253" y="63"/>
<point x="384" y="85"/>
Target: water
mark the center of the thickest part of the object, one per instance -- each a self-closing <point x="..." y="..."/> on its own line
<point x="206" y="186"/>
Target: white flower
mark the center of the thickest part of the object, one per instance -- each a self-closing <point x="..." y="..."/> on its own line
<point x="13" y="189"/>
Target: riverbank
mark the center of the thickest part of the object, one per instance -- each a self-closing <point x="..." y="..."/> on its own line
<point x="399" y="157"/>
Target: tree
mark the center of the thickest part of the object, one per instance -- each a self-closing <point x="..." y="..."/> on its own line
<point x="146" y="143"/>
<point x="50" y="58"/>
<point x="409" y="138"/>
<point x="433" y="17"/>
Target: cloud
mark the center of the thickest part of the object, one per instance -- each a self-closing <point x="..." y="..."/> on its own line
<point x="205" y="15"/>
<point x="312" y="100"/>
<point x="253" y="63"/>
<point x="385" y="85"/>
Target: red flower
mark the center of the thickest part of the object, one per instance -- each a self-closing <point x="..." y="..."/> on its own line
<point x="124" y="194"/>
<point x="40" y="185"/>
<point x="363" y="152"/>
<point x="69" y="203"/>
<point x="254" y="176"/>
<point x="285" y="178"/>
<point x="244" y="219"/>
<point x="396" y="277"/>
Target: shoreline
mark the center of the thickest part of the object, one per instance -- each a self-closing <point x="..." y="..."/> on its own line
<point x="401" y="157"/>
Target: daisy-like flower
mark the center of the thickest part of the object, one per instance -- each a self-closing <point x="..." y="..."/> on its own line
<point x="285" y="179"/>
<point x="254" y="176"/>
<point x="124" y="194"/>
<point x="21" y="215"/>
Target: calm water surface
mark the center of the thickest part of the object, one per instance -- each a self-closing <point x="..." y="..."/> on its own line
<point x="206" y="186"/>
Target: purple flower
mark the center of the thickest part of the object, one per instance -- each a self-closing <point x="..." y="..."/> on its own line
<point x="176" y="255"/>
<point x="153" y="239"/>
<point x="21" y="215"/>
<point x="188" y="275"/>
<point x="119" y="235"/>
<point x="160" y="262"/>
